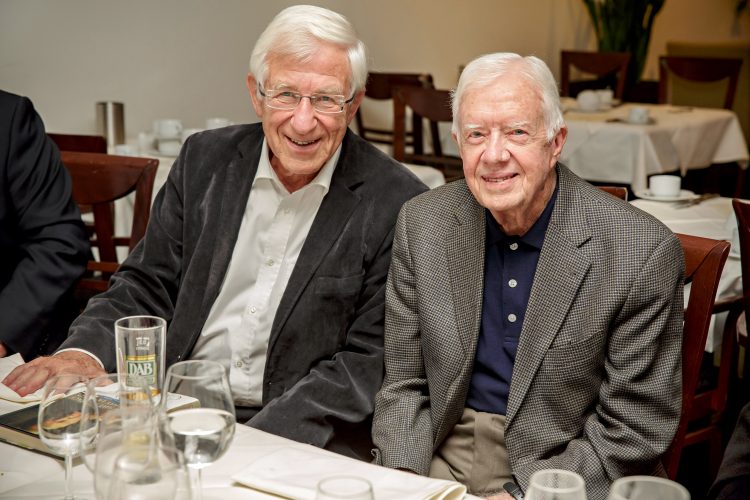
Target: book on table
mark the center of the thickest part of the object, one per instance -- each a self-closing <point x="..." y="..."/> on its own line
<point x="20" y="427"/>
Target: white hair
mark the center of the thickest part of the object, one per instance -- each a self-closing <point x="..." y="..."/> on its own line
<point x="299" y="30"/>
<point x="486" y="69"/>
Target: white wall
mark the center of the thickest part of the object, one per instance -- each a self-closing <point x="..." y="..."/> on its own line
<point x="187" y="59"/>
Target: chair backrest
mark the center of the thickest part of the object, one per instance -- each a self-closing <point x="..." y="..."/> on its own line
<point x="616" y="191"/>
<point x="609" y="68"/>
<point x="704" y="261"/>
<point x="83" y="143"/>
<point x="99" y="180"/>
<point x="702" y="71"/>
<point x="433" y="105"/>
<point x="380" y="87"/>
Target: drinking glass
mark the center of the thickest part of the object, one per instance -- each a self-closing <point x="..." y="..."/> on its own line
<point x="203" y="434"/>
<point x="344" y="487"/>
<point x="120" y="430"/>
<point x="148" y="472"/>
<point x="140" y="346"/>
<point x="646" y="488"/>
<point x="106" y="394"/>
<point x="59" y="419"/>
<point x="556" y="484"/>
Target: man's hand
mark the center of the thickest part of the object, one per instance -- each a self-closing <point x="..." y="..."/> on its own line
<point x="30" y="376"/>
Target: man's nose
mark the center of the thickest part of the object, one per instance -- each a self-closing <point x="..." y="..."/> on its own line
<point x="497" y="149"/>
<point x="304" y="119"/>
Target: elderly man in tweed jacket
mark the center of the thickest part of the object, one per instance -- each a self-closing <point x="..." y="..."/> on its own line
<point x="532" y="320"/>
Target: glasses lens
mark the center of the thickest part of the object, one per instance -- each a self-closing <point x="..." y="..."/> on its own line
<point x="328" y="103"/>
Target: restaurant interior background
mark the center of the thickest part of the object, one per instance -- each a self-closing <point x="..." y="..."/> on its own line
<point x="187" y="59"/>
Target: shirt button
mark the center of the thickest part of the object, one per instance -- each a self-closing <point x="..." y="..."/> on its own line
<point x="238" y="364"/>
<point x="512" y="318"/>
<point x="269" y="262"/>
<point x="253" y="310"/>
<point x="512" y="283"/>
<point x="514" y="246"/>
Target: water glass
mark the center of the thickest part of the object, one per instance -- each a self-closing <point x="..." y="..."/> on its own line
<point x="140" y="343"/>
<point x="148" y="472"/>
<point x="647" y="488"/>
<point x="556" y="484"/>
<point x="344" y="487"/>
<point x="59" y="419"/>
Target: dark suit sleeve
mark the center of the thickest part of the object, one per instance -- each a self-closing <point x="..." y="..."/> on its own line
<point x="41" y="229"/>
<point x="733" y="480"/>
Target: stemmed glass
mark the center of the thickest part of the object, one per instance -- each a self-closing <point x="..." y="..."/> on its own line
<point x="202" y="433"/>
<point x="59" y="420"/>
<point x="148" y="472"/>
<point x="556" y="484"/>
<point x="646" y="488"/>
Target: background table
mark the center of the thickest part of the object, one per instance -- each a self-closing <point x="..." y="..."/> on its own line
<point x="713" y="218"/>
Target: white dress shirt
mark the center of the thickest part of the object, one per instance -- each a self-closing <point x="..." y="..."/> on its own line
<point x="273" y="230"/>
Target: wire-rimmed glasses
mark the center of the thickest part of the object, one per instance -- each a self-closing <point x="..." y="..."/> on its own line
<point x="286" y="99"/>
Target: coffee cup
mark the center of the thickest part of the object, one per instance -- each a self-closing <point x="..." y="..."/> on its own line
<point x="605" y="97"/>
<point x="217" y="123"/>
<point x="666" y="186"/>
<point x="146" y="142"/>
<point x="638" y="115"/>
<point x="588" y="100"/>
<point x="169" y="147"/>
<point x="168" y="128"/>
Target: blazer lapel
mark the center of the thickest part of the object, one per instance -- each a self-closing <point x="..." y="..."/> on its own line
<point x="465" y="254"/>
<point x="561" y="269"/>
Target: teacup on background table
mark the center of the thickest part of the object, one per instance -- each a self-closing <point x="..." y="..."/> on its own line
<point x="606" y="97"/>
<point x="167" y="128"/>
<point x="588" y="100"/>
<point x="665" y="186"/>
<point x="638" y="115"/>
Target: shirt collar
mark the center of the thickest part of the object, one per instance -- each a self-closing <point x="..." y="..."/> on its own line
<point x="323" y="179"/>
<point x="533" y="237"/>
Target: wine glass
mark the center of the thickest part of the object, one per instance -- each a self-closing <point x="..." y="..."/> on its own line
<point x="203" y="433"/>
<point x="556" y="484"/>
<point x="59" y="419"/>
<point x="105" y="394"/>
<point x="647" y="487"/>
<point x="344" y="488"/>
<point x="148" y="472"/>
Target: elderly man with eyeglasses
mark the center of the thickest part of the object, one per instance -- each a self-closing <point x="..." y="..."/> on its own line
<point x="268" y="248"/>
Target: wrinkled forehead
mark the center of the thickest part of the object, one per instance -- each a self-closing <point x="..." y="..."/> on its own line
<point x="328" y="64"/>
<point x="510" y="91"/>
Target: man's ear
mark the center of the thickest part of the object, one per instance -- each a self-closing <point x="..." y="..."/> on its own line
<point x="252" y="87"/>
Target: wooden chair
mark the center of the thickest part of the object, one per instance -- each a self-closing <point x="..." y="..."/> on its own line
<point x="83" y="143"/>
<point x="616" y="191"/>
<point x="99" y="180"/>
<point x="609" y="68"/>
<point x="380" y="87"/>
<point x="435" y="106"/>
<point x="703" y="70"/>
<point x="704" y="261"/>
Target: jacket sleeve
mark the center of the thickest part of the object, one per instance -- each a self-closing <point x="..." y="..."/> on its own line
<point x="51" y="247"/>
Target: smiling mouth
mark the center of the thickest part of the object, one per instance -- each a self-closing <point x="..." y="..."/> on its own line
<point x="302" y="143"/>
<point x="498" y="179"/>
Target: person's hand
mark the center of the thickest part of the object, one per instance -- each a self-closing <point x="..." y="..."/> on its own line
<point x="30" y="376"/>
<point x="3" y="350"/>
<point x="501" y="496"/>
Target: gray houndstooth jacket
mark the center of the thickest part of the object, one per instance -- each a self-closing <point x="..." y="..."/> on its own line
<point x="596" y="381"/>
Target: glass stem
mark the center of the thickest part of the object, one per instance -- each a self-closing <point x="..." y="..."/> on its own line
<point x="197" y="487"/>
<point x="68" y="476"/>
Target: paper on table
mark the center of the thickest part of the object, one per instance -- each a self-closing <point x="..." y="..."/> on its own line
<point x="294" y="473"/>
<point x="7" y="365"/>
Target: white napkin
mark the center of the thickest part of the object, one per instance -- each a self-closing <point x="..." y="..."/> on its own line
<point x="294" y="473"/>
<point x="7" y="365"/>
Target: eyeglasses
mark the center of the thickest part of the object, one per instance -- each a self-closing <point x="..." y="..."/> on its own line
<point x="289" y="99"/>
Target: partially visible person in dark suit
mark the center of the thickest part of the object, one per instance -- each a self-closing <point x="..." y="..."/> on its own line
<point x="733" y="480"/>
<point x="43" y="243"/>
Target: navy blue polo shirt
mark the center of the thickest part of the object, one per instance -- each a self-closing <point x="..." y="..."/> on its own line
<point x="509" y="267"/>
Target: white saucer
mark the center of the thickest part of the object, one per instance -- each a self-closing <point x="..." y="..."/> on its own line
<point x="684" y="195"/>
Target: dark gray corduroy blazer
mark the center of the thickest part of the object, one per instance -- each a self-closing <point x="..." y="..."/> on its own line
<point x="596" y="380"/>
<point x="324" y="359"/>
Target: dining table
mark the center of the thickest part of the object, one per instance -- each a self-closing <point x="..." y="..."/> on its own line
<point x="709" y="218"/>
<point x="604" y="147"/>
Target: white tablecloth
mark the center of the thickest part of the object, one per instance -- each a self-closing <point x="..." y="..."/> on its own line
<point x="713" y="218"/>
<point x="598" y="148"/>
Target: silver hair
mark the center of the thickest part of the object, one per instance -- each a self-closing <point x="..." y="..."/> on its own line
<point x="486" y="69"/>
<point x="298" y="31"/>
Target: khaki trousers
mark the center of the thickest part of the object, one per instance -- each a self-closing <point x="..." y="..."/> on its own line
<point x="474" y="454"/>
